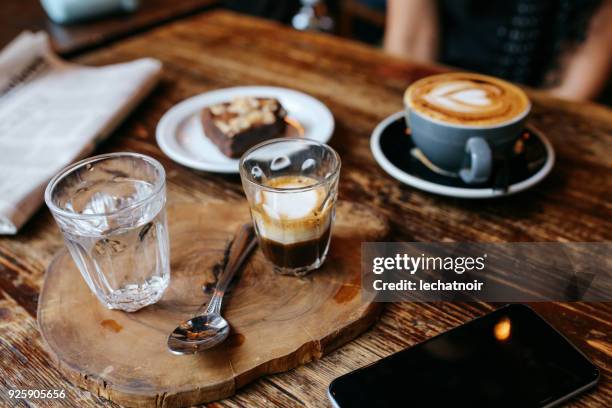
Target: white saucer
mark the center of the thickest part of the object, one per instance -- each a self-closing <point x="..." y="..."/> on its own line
<point x="181" y="137"/>
<point x="422" y="183"/>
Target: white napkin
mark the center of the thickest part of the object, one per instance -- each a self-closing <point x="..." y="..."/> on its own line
<point x="53" y="113"/>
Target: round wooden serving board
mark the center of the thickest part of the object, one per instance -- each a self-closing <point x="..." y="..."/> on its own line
<point x="278" y="322"/>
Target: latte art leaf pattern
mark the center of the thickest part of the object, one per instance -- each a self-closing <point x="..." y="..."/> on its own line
<point x="466" y="98"/>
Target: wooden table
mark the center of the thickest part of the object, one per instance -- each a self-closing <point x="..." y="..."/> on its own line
<point x="361" y="86"/>
<point x="17" y="16"/>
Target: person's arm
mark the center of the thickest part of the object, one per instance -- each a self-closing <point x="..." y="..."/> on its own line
<point x="412" y="29"/>
<point x="588" y="68"/>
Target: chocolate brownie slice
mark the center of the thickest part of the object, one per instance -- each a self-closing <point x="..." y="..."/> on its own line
<point x="238" y="125"/>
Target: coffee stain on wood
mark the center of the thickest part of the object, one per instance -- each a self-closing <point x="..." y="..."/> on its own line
<point x="235" y="340"/>
<point x="112" y="325"/>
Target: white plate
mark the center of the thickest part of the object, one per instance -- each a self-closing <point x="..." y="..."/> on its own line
<point x="429" y="186"/>
<point x="181" y="137"/>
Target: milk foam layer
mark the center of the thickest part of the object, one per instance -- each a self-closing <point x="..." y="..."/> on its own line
<point x="465" y="98"/>
<point x="290" y="217"/>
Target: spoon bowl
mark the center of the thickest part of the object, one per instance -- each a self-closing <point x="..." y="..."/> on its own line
<point x="200" y="333"/>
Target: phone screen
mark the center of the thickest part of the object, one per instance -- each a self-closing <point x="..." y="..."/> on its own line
<point x="508" y="358"/>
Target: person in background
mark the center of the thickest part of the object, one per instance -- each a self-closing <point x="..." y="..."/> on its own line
<point x="564" y="46"/>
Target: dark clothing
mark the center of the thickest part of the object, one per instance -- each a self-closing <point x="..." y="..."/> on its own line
<point x="282" y="10"/>
<point x="519" y="40"/>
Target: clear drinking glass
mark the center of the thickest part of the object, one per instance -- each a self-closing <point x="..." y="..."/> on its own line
<point x="291" y="186"/>
<point x="111" y="211"/>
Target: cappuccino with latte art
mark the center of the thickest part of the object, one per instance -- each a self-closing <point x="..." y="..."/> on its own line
<point x="460" y="121"/>
<point x="467" y="99"/>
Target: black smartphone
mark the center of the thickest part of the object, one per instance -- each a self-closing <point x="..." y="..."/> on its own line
<point x="509" y="358"/>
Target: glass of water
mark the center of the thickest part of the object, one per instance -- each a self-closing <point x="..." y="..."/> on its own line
<point x="111" y="211"/>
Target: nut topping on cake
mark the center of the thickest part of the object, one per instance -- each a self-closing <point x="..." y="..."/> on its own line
<point x="243" y="122"/>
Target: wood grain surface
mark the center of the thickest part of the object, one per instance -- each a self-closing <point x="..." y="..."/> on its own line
<point x="361" y="86"/>
<point x="277" y="322"/>
<point x="17" y="16"/>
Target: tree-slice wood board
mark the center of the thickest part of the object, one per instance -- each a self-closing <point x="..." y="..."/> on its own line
<point x="278" y="322"/>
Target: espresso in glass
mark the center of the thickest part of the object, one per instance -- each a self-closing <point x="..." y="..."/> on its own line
<point x="291" y="186"/>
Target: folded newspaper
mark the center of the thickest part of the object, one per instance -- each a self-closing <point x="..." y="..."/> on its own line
<point x="53" y="113"/>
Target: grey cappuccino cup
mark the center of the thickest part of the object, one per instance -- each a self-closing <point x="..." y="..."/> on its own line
<point x="464" y="149"/>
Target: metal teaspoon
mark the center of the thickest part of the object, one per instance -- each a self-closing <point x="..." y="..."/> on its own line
<point x="209" y="329"/>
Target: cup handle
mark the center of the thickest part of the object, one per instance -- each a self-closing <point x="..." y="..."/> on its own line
<point x="481" y="161"/>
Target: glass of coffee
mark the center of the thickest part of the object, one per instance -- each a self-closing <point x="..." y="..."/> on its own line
<point x="111" y="211"/>
<point x="292" y="185"/>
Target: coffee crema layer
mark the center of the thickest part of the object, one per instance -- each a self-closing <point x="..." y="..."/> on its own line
<point x="466" y="99"/>
<point x="291" y="217"/>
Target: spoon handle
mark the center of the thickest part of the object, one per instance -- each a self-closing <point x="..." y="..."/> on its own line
<point x="242" y="245"/>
